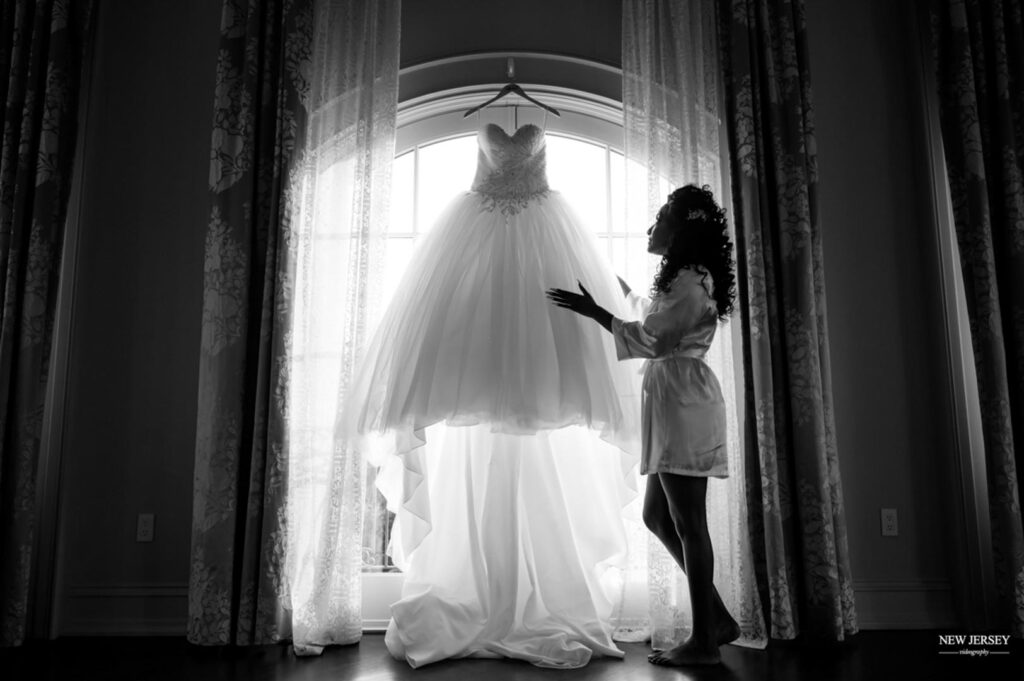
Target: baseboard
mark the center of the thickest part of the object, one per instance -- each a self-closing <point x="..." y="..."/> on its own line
<point x="131" y="609"/>
<point x="162" y="609"/>
<point x="375" y="626"/>
<point x="116" y="626"/>
<point x="905" y="604"/>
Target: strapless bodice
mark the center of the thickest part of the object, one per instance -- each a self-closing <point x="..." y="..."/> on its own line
<point x="511" y="169"/>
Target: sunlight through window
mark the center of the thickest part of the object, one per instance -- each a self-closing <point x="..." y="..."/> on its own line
<point x="592" y="176"/>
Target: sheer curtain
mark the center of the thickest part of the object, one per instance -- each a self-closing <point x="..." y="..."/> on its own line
<point x="340" y="207"/>
<point x="671" y="105"/>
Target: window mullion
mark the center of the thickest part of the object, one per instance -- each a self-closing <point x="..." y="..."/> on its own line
<point x="415" y="189"/>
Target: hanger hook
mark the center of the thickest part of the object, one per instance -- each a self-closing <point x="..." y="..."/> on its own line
<point x="510" y="68"/>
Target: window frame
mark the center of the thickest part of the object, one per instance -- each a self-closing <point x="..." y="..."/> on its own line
<point x="439" y="117"/>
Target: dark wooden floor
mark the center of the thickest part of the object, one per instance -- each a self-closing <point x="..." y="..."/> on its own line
<point x="868" y="655"/>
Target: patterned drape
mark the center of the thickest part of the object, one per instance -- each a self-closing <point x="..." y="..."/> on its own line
<point x="237" y="590"/>
<point x="670" y="73"/>
<point x="979" y="52"/>
<point x="794" y="491"/>
<point x="42" y="49"/>
<point x="303" y="143"/>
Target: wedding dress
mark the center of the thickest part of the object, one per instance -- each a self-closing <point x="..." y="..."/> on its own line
<point x="505" y="430"/>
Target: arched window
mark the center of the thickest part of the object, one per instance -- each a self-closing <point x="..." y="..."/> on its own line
<point x="435" y="160"/>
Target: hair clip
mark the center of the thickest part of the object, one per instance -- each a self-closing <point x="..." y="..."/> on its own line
<point x="697" y="214"/>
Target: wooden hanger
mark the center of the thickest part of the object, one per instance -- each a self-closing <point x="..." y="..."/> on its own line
<point x="511" y="88"/>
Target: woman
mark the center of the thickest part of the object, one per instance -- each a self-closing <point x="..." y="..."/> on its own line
<point x="683" y="409"/>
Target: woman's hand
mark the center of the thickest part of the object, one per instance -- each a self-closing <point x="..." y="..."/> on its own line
<point x="581" y="303"/>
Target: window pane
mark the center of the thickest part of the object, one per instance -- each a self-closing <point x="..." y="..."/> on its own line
<point x="618" y="189"/>
<point x="636" y="211"/>
<point x="617" y="255"/>
<point x="640" y="265"/>
<point x="666" y="189"/>
<point x="445" y="169"/>
<point x="578" y="170"/>
<point x="402" y="194"/>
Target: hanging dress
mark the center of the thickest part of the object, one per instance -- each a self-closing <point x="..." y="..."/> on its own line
<point x="505" y="430"/>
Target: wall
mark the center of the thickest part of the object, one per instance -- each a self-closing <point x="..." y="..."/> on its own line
<point x="434" y="29"/>
<point x="128" y="435"/>
<point x="885" y="325"/>
<point x="130" y="421"/>
<point x="574" y="29"/>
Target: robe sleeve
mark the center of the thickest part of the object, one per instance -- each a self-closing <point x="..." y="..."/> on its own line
<point x="638" y="305"/>
<point x="682" y="308"/>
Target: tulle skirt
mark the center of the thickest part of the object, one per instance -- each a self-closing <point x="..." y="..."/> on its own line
<point x="507" y="519"/>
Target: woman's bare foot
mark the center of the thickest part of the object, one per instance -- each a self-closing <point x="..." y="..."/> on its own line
<point x="727" y="632"/>
<point x="686" y="653"/>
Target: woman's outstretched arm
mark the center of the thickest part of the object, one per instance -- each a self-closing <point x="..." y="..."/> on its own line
<point x="583" y="304"/>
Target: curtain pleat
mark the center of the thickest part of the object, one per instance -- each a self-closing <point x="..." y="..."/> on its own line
<point x="979" y="54"/>
<point x="798" y="525"/>
<point x="42" y="49"/>
<point x="237" y="590"/>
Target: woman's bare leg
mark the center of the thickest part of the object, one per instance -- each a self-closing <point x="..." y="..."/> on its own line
<point x="686" y="497"/>
<point x="658" y="519"/>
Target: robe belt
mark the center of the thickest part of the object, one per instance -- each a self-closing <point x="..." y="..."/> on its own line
<point x="693" y="353"/>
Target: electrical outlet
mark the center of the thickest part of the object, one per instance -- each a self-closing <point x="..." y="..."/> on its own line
<point x="144" y="529"/>
<point x="890" y="523"/>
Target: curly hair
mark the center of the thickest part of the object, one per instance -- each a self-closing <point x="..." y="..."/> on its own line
<point x="701" y="239"/>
